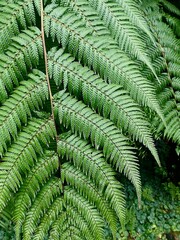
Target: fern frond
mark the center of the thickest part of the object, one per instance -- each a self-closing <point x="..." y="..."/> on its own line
<point x="88" y="15"/>
<point x="93" y="164"/>
<point x="174" y="23"/>
<point x="168" y="48"/>
<point x="102" y="132"/>
<point x="76" y="179"/>
<point x="96" y="52"/>
<point x="50" y="216"/>
<point x="42" y="202"/>
<point x="91" y="215"/>
<point x="46" y="165"/>
<point x="121" y="29"/>
<point x="135" y="14"/>
<point x="29" y="96"/>
<point x="71" y="232"/>
<point x="12" y="17"/>
<point x="110" y="100"/>
<point x="77" y="218"/>
<point x="22" y="54"/>
<point x="29" y="5"/>
<point x="20" y="157"/>
<point x="114" y="18"/>
<point x="170" y="7"/>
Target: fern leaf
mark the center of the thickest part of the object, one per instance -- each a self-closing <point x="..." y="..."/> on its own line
<point x="29" y="96"/>
<point x="48" y="219"/>
<point x="96" y="168"/>
<point x="121" y="29"/>
<point x="168" y="48"/>
<point x="13" y="16"/>
<point x="90" y="214"/>
<point x="76" y="179"/>
<point x="45" y="166"/>
<point x="110" y="100"/>
<point x="136" y="16"/>
<point x="77" y="218"/>
<point x="42" y="202"/>
<point x="169" y="6"/>
<point x="97" y="53"/>
<point x="103" y="134"/>
<point x="21" y="156"/>
<point x="21" y="55"/>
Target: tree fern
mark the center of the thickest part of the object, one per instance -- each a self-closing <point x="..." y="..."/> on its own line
<point x="74" y="105"/>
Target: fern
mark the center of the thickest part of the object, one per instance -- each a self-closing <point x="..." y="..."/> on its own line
<point x="74" y="106"/>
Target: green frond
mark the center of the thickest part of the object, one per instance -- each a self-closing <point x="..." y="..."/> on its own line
<point x="80" y="222"/>
<point x="70" y="124"/>
<point x="88" y="15"/>
<point x="29" y="5"/>
<point x="49" y="217"/>
<point x="93" y="164"/>
<point x="110" y="62"/>
<point x="114" y="18"/>
<point x="102" y="132"/>
<point x="12" y="17"/>
<point x="45" y="167"/>
<point x="44" y="199"/>
<point x="71" y="232"/>
<point x="110" y="100"/>
<point x="131" y="8"/>
<point x="73" y="216"/>
<point x="29" y="96"/>
<point x="167" y="96"/>
<point x="22" y="54"/>
<point x="170" y="7"/>
<point x="91" y="215"/>
<point x="20" y="157"/>
<point x="121" y="29"/>
<point x="174" y="23"/>
<point x="76" y="179"/>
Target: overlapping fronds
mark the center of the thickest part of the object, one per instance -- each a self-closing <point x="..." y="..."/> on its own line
<point x="29" y="96"/>
<point x="109" y="99"/>
<point x="169" y="73"/>
<point x="102" y="132"/>
<point x="114" y="81"/>
<point x="22" y="154"/>
<point x="116" y="20"/>
<point x="105" y="58"/>
<point x="67" y="218"/>
<point x="21" y="55"/>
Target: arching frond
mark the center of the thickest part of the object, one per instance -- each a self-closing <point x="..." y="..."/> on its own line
<point x="170" y="55"/>
<point x="29" y="96"/>
<point x="21" y="156"/>
<point x="169" y="6"/>
<point x="87" y="210"/>
<point x="22" y="54"/>
<point x="42" y="202"/>
<point x="110" y="100"/>
<point x="49" y="217"/>
<point x="103" y="134"/>
<point x="29" y="5"/>
<point x="114" y="18"/>
<point x="97" y="53"/>
<point x="71" y="215"/>
<point x="67" y="139"/>
<point x="76" y="179"/>
<point x="95" y="167"/>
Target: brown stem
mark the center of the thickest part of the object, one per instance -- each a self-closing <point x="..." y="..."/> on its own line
<point x="47" y="78"/>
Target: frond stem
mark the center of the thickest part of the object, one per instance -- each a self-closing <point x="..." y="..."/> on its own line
<point x="48" y="80"/>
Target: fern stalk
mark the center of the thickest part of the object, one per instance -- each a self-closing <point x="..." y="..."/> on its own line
<point x="48" y="80"/>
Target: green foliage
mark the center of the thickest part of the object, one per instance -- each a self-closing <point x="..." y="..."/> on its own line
<point x="65" y="145"/>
